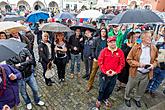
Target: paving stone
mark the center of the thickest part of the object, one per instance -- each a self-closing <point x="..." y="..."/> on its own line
<point x="72" y="96"/>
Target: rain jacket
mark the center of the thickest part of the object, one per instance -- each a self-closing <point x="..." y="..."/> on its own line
<point x="10" y="94"/>
<point x="119" y="37"/>
<point x="111" y="60"/>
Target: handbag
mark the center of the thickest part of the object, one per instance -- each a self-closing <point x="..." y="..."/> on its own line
<point x="50" y="71"/>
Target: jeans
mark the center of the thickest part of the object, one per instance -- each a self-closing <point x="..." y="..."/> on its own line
<point x="31" y="81"/>
<point x="107" y="84"/>
<point x="88" y="65"/>
<point x="156" y="80"/>
<point x="61" y="64"/>
<point x="75" y="58"/>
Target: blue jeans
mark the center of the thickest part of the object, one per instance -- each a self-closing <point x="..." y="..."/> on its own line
<point x="107" y="84"/>
<point x="75" y="58"/>
<point x="31" y="81"/>
<point x="156" y="80"/>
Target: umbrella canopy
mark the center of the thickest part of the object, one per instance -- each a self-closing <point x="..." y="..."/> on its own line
<point x="36" y="16"/>
<point x="65" y="15"/>
<point x="13" y="18"/>
<point x="10" y="48"/>
<point x="106" y="17"/>
<point x="55" y="27"/>
<point x="83" y="27"/>
<point x="136" y="16"/>
<point x="7" y="25"/>
<point x="89" y="14"/>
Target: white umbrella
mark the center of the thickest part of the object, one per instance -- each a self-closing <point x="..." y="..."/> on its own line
<point x="55" y="27"/>
<point x="7" y="25"/>
<point x="89" y="14"/>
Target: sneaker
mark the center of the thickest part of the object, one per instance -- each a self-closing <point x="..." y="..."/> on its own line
<point x="98" y="104"/>
<point x="29" y="106"/>
<point x="40" y="103"/>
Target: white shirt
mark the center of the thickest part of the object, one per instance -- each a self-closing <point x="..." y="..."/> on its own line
<point x="145" y="58"/>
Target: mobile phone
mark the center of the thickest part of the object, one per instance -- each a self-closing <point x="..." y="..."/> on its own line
<point x="147" y="66"/>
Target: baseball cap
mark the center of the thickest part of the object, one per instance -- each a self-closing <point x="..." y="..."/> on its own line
<point x="111" y="39"/>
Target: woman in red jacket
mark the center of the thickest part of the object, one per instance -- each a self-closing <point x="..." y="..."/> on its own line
<point x="111" y="62"/>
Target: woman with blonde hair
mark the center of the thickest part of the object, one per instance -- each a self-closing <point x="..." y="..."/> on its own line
<point x="44" y="50"/>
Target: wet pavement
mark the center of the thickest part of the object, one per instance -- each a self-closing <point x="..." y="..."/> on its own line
<point x="71" y="95"/>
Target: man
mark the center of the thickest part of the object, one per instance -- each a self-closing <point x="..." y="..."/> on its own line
<point x="158" y="71"/>
<point x="142" y="59"/>
<point x="116" y="31"/>
<point x="15" y="35"/>
<point x="75" y="45"/>
<point x="111" y="62"/>
<point x="23" y="62"/>
<point x="99" y="44"/>
<point x="87" y="53"/>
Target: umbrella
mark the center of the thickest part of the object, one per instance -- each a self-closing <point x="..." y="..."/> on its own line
<point x="55" y="27"/>
<point x="136" y="16"/>
<point x="13" y="18"/>
<point x="36" y="16"/>
<point x="7" y="25"/>
<point x="10" y="48"/>
<point x="83" y="27"/>
<point x="89" y="14"/>
<point x="65" y="15"/>
<point x="106" y="17"/>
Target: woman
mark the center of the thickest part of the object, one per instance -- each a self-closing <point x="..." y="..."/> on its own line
<point x="59" y="53"/>
<point x="126" y="47"/>
<point x="45" y="55"/>
<point x="3" y="35"/>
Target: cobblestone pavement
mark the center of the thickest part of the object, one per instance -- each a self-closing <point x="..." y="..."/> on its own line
<point x="72" y="96"/>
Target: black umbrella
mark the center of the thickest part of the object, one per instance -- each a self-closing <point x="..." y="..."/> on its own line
<point x="136" y="16"/>
<point x="10" y="48"/>
<point x="83" y="27"/>
<point x="106" y="17"/>
<point x="14" y="18"/>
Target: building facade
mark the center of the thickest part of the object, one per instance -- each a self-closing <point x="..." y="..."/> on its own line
<point x="52" y="5"/>
<point x="158" y="5"/>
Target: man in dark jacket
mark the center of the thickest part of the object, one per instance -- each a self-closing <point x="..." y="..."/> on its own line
<point x="87" y="53"/>
<point x="23" y="62"/>
<point x="99" y="44"/>
<point x="75" y="47"/>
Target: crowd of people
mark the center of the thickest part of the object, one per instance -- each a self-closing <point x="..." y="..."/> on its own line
<point x="133" y="56"/>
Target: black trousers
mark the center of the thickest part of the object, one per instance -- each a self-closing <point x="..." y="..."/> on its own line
<point x="61" y="65"/>
<point x="44" y="66"/>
